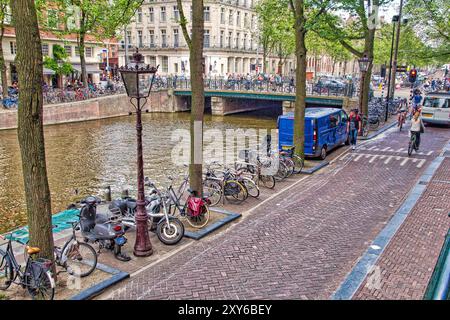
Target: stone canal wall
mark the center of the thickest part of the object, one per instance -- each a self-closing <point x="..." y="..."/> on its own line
<point x="98" y="108"/>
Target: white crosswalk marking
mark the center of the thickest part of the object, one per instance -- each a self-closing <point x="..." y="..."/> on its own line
<point x="385" y="158"/>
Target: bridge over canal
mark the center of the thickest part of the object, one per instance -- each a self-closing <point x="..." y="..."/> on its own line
<point x="224" y="102"/>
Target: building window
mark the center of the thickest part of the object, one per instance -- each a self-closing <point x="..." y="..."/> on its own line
<point x="206" y="39"/>
<point x="230" y="17"/>
<point x="140" y="43"/>
<point x="77" y="51"/>
<point x="222" y="15"/>
<point x="175" y="67"/>
<point x="230" y="38"/>
<point x="52" y="19"/>
<point x="68" y="50"/>
<point x="89" y="52"/>
<point x="13" y="47"/>
<point x="163" y="38"/>
<point x="206" y="13"/>
<point x="163" y="14"/>
<point x="45" y="49"/>
<point x="238" y="37"/>
<point x="151" y="36"/>
<point x="176" y="38"/>
<point x="165" y="64"/>
<point x="246" y="20"/>
<point x="152" y="60"/>
<point x="222" y="35"/>
<point x="129" y="38"/>
<point x="151" y="15"/>
<point x="245" y="42"/>
<point x="238" y="18"/>
<point x="139" y="15"/>
<point x="176" y="13"/>
<point x="251" y="42"/>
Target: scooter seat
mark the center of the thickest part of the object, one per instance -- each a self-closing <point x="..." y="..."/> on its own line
<point x="101" y="218"/>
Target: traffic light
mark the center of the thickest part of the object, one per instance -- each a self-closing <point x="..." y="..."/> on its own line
<point x="412" y="75"/>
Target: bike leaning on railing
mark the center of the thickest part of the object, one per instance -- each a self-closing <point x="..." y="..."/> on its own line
<point x="36" y="277"/>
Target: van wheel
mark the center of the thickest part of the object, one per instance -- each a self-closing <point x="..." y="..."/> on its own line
<point x="323" y="153"/>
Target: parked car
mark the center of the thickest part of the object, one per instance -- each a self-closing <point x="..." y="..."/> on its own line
<point x="328" y="85"/>
<point x="325" y="129"/>
<point x="436" y="108"/>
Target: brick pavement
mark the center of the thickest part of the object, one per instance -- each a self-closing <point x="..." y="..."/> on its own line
<point x="405" y="267"/>
<point x="300" y="244"/>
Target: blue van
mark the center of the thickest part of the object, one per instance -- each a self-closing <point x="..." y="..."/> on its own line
<point x="325" y="129"/>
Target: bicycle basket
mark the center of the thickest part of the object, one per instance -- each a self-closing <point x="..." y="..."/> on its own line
<point x="195" y="206"/>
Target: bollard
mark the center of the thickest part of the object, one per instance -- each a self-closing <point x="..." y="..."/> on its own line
<point x="108" y="193"/>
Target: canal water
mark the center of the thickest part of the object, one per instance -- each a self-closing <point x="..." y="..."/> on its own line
<point x="84" y="158"/>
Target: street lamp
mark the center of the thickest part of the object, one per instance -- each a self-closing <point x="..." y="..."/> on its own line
<point x="364" y="63"/>
<point x="138" y="79"/>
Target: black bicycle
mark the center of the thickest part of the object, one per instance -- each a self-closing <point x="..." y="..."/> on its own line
<point x="36" y="277"/>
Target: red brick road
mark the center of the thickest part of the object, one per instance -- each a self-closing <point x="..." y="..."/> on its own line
<point x="302" y="243"/>
<point x="405" y="267"/>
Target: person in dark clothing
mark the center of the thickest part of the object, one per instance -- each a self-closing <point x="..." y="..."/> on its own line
<point x="353" y="127"/>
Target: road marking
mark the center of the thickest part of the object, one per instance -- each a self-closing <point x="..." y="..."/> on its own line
<point x="389" y="149"/>
<point x="385" y="158"/>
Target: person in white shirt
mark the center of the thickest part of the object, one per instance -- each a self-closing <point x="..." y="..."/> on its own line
<point x="417" y="127"/>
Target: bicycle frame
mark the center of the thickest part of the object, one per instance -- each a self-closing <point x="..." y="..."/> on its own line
<point x="16" y="268"/>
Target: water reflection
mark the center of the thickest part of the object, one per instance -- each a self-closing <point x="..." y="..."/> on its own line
<point x="88" y="156"/>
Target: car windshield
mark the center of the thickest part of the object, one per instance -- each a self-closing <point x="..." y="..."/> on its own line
<point x="436" y="102"/>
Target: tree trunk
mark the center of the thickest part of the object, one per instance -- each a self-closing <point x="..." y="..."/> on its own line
<point x="30" y="126"/>
<point x="198" y="98"/>
<point x="264" y="60"/>
<point x="3" y="66"/>
<point x="84" y="77"/>
<point x="300" y="94"/>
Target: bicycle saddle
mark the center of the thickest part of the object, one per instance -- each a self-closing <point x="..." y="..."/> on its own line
<point x="32" y="250"/>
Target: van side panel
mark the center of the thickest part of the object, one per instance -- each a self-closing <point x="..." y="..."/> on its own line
<point x="286" y="134"/>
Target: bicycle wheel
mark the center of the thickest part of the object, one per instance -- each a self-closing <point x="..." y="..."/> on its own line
<point x="6" y="271"/>
<point x="212" y="191"/>
<point x="290" y="166"/>
<point x="267" y="181"/>
<point x="40" y="284"/>
<point x="234" y="191"/>
<point x="298" y="163"/>
<point x="79" y="259"/>
<point x="201" y="220"/>
<point x="282" y="171"/>
<point x="251" y="187"/>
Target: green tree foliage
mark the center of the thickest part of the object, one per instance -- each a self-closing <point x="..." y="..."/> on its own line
<point x="4" y="15"/>
<point x="59" y="61"/>
<point x="275" y="35"/>
<point x="431" y="18"/>
<point x="100" y="19"/>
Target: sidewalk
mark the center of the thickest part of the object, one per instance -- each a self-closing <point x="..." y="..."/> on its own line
<point x="301" y="243"/>
<point x="405" y="267"/>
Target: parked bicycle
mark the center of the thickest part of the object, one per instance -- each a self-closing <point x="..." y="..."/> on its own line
<point x="225" y="186"/>
<point x="36" y="277"/>
<point x="77" y="258"/>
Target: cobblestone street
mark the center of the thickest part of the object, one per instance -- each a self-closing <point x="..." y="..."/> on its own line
<point x="302" y="243"/>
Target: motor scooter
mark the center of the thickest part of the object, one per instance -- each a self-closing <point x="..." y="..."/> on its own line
<point x="169" y="229"/>
<point x="106" y="230"/>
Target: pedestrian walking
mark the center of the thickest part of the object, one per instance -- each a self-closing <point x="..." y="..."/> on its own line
<point x="354" y="127"/>
<point x="417" y="127"/>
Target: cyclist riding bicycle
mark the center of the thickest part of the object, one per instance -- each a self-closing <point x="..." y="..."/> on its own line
<point x="402" y="110"/>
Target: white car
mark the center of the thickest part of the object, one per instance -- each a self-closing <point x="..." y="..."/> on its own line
<point x="436" y="108"/>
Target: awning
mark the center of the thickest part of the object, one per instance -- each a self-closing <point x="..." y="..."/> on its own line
<point x="90" y="68"/>
<point x="48" y="72"/>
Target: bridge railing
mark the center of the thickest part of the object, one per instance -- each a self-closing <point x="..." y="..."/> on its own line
<point x="285" y="87"/>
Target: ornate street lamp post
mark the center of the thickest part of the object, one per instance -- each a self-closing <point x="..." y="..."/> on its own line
<point x="364" y="63"/>
<point x="138" y="79"/>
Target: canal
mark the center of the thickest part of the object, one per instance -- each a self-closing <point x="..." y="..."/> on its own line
<point x="84" y="158"/>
